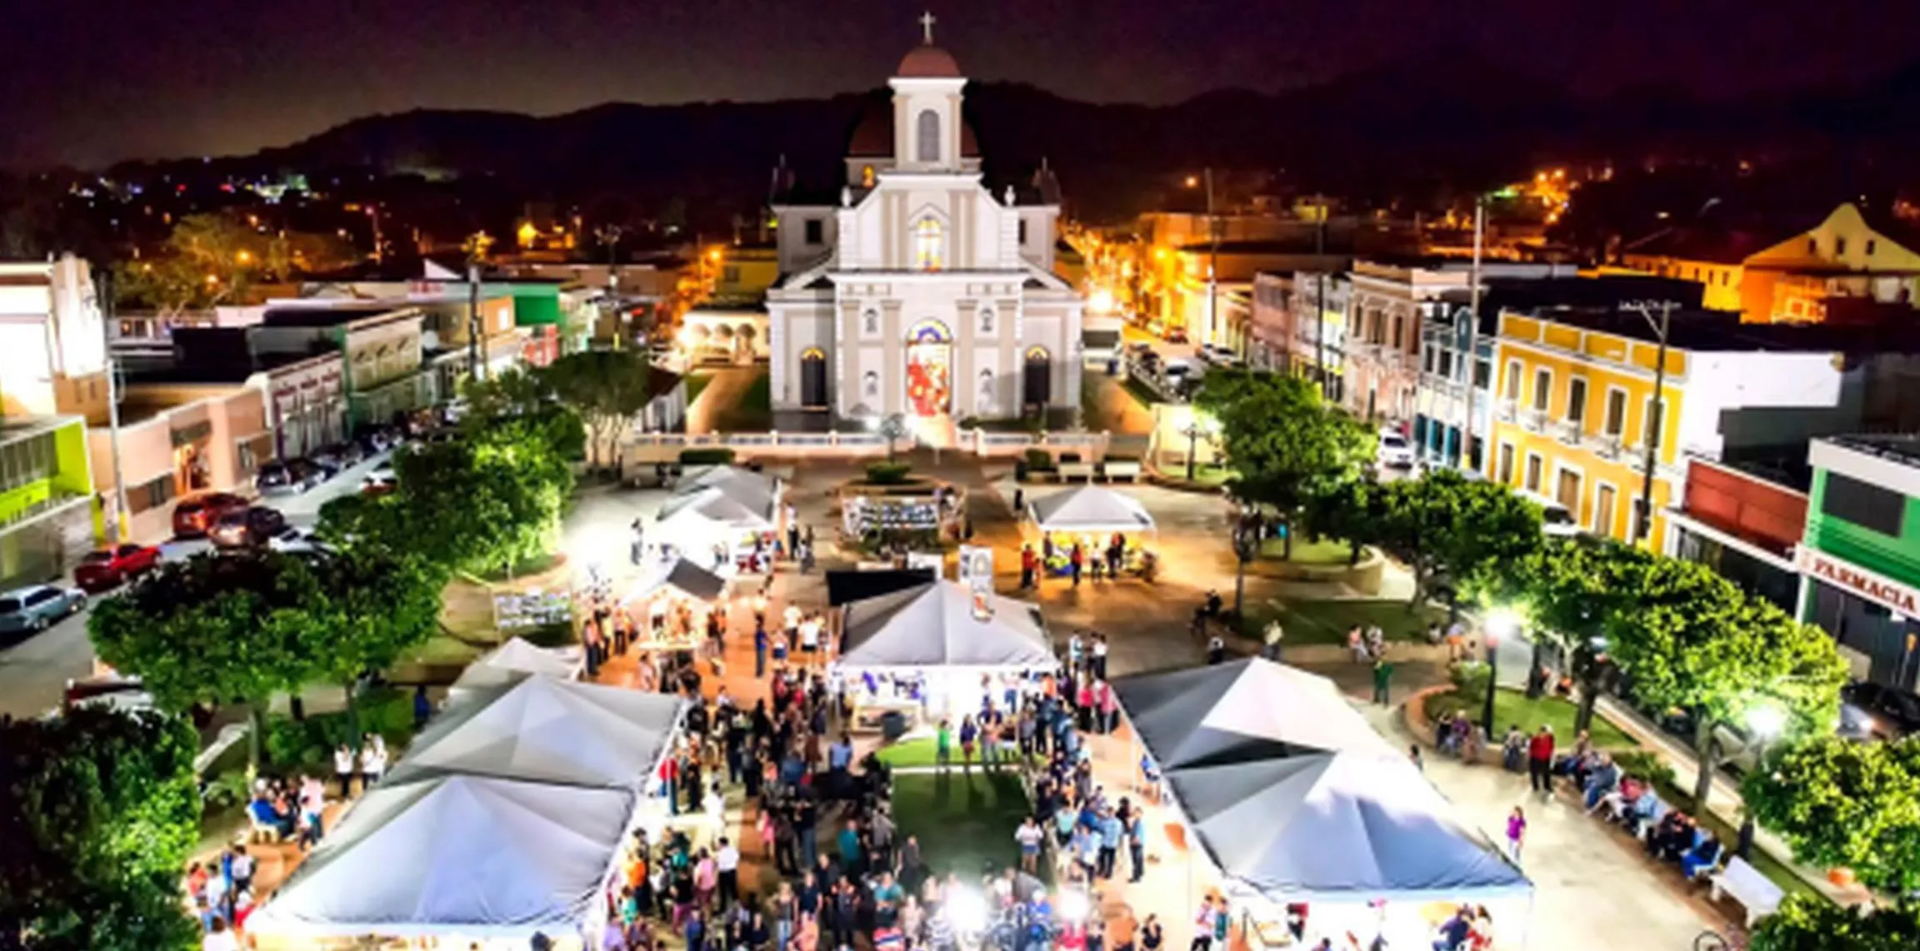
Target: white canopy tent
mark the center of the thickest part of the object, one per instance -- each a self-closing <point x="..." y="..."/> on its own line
<point x="1089" y="508"/>
<point x="928" y="647"/>
<point x="548" y="730"/>
<point x="468" y="857"/>
<point x="756" y="490"/>
<point x="1245" y="710"/>
<point x="944" y="624"/>
<point x="517" y="656"/>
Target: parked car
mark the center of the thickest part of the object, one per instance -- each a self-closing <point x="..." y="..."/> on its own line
<point x="108" y="567"/>
<point x="36" y="608"/>
<point x="1555" y="519"/>
<point x="380" y="481"/>
<point x="327" y="460"/>
<point x="1876" y="711"/>
<point x="248" y="528"/>
<point x="293" y="476"/>
<point x="1395" y="451"/>
<point x="377" y="439"/>
<point x="196" y="516"/>
<point x="1176" y="335"/>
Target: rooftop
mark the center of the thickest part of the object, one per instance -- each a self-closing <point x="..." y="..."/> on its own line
<point x="1722" y="331"/>
<point x="332" y="315"/>
<point x="1715" y="245"/>
<point x="1903" y="448"/>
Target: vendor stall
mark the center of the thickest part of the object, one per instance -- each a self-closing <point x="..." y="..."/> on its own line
<point x="673" y="602"/>
<point x="723" y="517"/>
<point x="937" y="648"/>
<point x="1110" y="527"/>
<point x="504" y="820"/>
<point x="1297" y="807"/>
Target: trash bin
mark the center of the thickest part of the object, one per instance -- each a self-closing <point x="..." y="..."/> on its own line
<point x="893" y="725"/>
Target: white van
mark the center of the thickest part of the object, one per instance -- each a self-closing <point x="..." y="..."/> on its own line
<point x="1555" y="520"/>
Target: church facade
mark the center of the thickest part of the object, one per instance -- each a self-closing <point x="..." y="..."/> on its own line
<point x="921" y="292"/>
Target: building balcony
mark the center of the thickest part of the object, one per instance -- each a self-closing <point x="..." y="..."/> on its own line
<point x="1567" y="431"/>
<point x="1505" y="411"/>
<point x="1607" y="446"/>
<point x="1535" y="420"/>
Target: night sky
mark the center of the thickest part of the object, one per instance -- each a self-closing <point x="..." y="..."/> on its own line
<point x="91" y="81"/>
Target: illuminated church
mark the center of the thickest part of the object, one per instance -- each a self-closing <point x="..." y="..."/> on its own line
<point x="922" y="291"/>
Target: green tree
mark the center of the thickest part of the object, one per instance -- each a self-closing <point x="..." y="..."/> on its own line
<point x="476" y="504"/>
<point x="1450" y="529"/>
<point x="1812" y="923"/>
<point x="375" y="605"/>
<point x="1695" y="642"/>
<point x="212" y="259"/>
<point x="1838" y="803"/>
<point x="518" y="403"/>
<point x="606" y="388"/>
<point x="1283" y="442"/>
<point x="216" y="629"/>
<point x="99" y="813"/>
<point x="1575" y="592"/>
<point x="1350" y="509"/>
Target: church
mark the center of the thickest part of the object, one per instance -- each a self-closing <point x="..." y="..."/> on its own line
<point x="922" y="292"/>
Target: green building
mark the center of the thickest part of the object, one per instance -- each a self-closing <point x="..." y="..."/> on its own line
<point x="46" y="497"/>
<point x="1860" y="556"/>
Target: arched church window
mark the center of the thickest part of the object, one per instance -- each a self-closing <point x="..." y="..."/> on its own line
<point x="929" y="245"/>
<point x="986" y="320"/>
<point x="870" y="323"/>
<point x="987" y="403"/>
<point x="927" y="127"/>
<point x="870" y="385"/>
<point x="866" y="176"/>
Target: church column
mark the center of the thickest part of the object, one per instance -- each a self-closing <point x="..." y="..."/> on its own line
<point x="844" y="388"/>
<point x="893" y="350"/>
<point x="965" y="321"/>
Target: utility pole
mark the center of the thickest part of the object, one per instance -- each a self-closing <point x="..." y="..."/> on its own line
<point x="1643" y="524"/>
<point x="1213" y="262"/>
<point x="476" y="249"/>
<point x="1472" y="356"/>
<point x="118" y="528"/>
<point x="610" y="236"/>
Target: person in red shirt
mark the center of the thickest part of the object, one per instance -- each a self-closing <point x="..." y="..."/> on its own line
<point x="1540" y="759"/>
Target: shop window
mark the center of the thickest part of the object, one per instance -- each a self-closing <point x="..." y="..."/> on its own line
<point x="1864" y="504"/>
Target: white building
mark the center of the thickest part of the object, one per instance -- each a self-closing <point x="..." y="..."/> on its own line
<point x="53" y="348"/>
<point x="923" y="293"/>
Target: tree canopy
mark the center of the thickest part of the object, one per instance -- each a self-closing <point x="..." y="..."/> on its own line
<point x="1284" y="443"/>
<point x="1839" y="802"/>
<point x="1812" y="923"/>
<point x="215" y="258"/>
<point x="1445" y="526"/>
<point x="99" y="813"/>
<point x="607" y="388"/>
<point x="520" y="403"/>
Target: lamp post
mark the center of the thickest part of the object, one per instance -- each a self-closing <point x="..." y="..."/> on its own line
<point x="1195" y="428"/>
<point x="1499" y="624"/>
<point x="1764" y="722"/>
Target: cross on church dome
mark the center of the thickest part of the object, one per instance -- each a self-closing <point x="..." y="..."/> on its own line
<point x="926" y="24"/>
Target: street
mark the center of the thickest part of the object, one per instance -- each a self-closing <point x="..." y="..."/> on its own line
<point x="729" y="385"/>
<point x="35" y="671"/>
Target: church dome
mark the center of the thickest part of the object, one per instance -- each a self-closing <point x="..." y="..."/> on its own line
<point x="928" y="62"/>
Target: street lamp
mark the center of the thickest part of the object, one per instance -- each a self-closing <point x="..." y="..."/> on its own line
<point x="1195" y="428"/>
<point x="1643" y="523"/>
<point x="1764" y="722"/>
<point x="1500" y="623"/>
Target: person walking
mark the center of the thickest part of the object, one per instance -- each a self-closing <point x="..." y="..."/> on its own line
<point x="1076" y="558"/>
<point x="1029" y="837"/>
<point x="1029" y="566"/>
<point x="760" y="648"/>
<point x="1382" y="679"/>
<point x="1516" y="833"/>
<point x="639" y="543"/>
<point x="1136" y="844"/>
<point x="726" y="862"/>
<point x="1540" y="759"/>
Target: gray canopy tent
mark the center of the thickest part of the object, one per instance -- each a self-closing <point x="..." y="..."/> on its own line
<point x="1293" y="796"/>
<point x="548" y="730"/>
<point x="1089" y="508"/>
<point x="451" y="856"/>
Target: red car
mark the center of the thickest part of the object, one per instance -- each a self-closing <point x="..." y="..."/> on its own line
<point x="195" y="517"/>
<point x="108" y="567"/>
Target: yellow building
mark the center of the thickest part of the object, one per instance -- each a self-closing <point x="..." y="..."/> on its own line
<point x="1573" y="401"/>
<point x="1845" y="257"/>
<point x="742" y="272"/>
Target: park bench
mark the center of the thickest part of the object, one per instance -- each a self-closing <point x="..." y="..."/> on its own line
<point x="1116" y="469"/>
<point x="1758" y="895"/>
<point x="1075" y="469"/>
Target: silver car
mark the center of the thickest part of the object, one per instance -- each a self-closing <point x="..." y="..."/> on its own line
<point x="36" y="608"/>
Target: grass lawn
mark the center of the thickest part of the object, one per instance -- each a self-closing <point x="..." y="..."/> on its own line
<point x="965" y="823"/>
<point x="916" y="752"/>
<point x="754" y="412"/>
<point x="1511" y="707"/>
<point x="1327" y="622"/>
<point x="1326" y="551"/>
